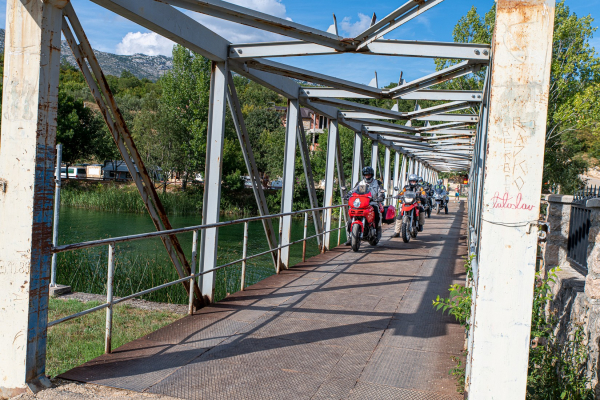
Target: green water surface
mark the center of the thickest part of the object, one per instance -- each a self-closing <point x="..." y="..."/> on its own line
<point x="143" y="264"/>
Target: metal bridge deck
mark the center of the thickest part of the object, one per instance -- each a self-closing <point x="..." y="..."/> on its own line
<point x="341" y="325"/>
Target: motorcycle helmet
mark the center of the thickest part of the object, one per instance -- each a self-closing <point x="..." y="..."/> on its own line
<point x="368" y="171"/>
<point x="420" y="181"/>
<point x="413" y="180"/>
<point x="439" y="182"/>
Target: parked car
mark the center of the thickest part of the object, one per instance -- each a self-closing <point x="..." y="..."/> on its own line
<point x="247" y="181"/>
<point x="277" y="184"/>
<point x="77" y="172"/>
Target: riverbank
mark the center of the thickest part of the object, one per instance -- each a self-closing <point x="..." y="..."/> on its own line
<point x="124" y="197"/>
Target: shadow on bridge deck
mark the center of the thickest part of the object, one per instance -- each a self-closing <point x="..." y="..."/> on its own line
<point x="341" y="325"/>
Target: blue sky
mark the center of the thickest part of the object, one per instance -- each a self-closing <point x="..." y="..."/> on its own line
<point x="112" y="33"/>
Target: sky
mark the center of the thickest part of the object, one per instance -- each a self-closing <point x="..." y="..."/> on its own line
<point x="111" y="33"/>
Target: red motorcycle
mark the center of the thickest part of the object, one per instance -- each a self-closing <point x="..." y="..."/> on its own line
<point x="410" y="216"/>
<point x="362" y="215"/>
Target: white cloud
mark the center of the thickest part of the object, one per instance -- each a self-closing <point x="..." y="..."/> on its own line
<point x="237" y="33"/>
<point x="355" y="28"/>
<point x="154" y="44"/>
<point x="151" y="44"/>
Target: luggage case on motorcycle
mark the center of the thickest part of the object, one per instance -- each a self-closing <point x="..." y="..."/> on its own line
<point x="389" y="214"/>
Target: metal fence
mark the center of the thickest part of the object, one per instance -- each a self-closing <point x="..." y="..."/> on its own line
<point x="579" y="227"/>
<point x="111" y="243"/>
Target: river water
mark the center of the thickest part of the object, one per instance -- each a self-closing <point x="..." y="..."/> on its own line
<point x="144" y="264"/>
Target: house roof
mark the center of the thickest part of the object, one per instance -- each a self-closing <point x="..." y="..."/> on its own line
<point x="305" y="113"/>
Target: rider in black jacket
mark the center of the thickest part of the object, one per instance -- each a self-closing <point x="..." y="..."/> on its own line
<point x="413" y="185"/>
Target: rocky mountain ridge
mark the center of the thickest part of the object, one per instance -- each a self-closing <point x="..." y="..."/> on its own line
<point x="141" y="65"/>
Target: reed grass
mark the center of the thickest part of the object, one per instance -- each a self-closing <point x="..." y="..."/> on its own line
<point x="126" y="198"/>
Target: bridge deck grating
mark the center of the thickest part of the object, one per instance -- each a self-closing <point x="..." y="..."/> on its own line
<point x="342" y="325"/>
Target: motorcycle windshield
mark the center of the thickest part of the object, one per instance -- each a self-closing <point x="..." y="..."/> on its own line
<point x="410" y="196"/>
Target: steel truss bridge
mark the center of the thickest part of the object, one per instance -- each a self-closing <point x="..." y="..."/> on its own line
<point x="497" y="134"/>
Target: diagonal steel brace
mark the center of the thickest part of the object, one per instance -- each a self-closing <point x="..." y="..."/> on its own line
<point x="122" y="137"/>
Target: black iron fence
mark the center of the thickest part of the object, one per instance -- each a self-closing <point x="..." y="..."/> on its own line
<point x="579" y="227"/>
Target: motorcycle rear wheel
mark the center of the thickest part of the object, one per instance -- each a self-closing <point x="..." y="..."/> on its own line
<point x="355" y="239"/>
<point x="373" y="241"/>
<point x="405" y="233"/>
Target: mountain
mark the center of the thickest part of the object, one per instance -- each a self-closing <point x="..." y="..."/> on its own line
<point x="141" y="65"/>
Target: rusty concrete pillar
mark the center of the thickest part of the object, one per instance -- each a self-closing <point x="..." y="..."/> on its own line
<point x="503" y="291"/>
<point x="29" y="106"/>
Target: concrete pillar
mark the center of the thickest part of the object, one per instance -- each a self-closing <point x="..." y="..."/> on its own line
<point x="332" y="141"/>
<point x="212" y="176"/>
<point x="28" y="138"/>
<point x="289" y="176"/>
<point x="559" y="217"/>
<point x="503" y="292"/>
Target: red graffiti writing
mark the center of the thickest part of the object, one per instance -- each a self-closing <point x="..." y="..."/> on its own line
<point x="505" y="202"/>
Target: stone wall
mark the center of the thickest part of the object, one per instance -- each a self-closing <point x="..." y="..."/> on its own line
<point x="576" y="295"/>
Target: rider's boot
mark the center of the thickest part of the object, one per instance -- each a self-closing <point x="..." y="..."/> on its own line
<point x="349" y="236"/>
<point x="397" y="227"/>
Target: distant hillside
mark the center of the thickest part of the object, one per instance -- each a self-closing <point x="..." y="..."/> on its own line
<point x="142" y="66"/>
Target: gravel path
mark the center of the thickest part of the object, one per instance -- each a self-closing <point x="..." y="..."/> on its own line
<point x="136" y="303"/>
<point x="67" y="390"/>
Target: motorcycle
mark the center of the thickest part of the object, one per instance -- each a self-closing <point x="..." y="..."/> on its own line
<point x="362" y="215"/>
<point x="410" y="216"/>
<point x="428" y="206"/>
<point x="441" y="201"/>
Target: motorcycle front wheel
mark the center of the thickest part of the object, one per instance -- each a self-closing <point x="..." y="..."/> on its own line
<point x="414" y="232"/>
<point x="405" y="230"/>
<point x="355" y="240"/>
<point x="446" y="209"/>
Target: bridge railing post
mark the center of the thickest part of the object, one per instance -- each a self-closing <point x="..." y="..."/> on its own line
<point x="510" y="199"/>
<point x="109" y="298"/>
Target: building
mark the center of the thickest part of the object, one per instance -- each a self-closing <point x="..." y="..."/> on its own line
<point x="313" y="123"/>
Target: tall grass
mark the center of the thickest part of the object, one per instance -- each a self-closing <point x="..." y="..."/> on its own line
<point x="145" y="264"/>
<point x="126" y="198"/>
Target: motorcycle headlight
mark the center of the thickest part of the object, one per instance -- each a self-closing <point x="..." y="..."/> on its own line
<point x="409" y="200"/>
<point x="356" y="203"/>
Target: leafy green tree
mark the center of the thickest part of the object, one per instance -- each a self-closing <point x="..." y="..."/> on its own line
<point x="78" y="128"/>
<point x="575" y="69"/>
<point x="184" y="109"/>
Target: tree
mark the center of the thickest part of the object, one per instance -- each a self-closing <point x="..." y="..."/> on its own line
<point x="183" y="112"/>
<point x="78" y="128"/>
<point x="575" y="71"/>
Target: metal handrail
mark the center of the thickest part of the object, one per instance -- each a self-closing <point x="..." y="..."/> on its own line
<point x="111" y="242"/>
<point x="128" y="238"/>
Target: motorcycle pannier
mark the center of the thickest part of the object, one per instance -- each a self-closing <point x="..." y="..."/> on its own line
<point x="389" y="214"/>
